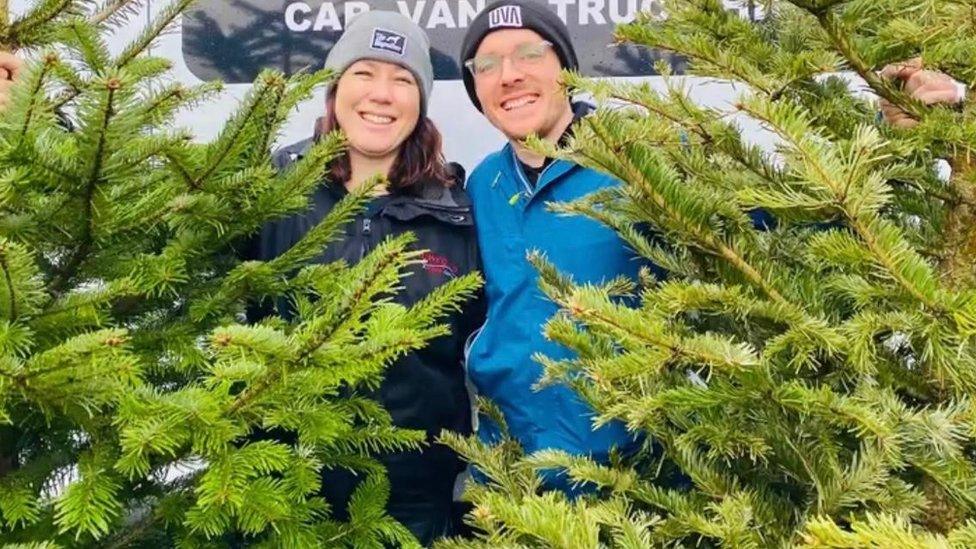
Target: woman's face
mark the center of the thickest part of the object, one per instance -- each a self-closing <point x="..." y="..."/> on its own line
<point x="377" y="105"/>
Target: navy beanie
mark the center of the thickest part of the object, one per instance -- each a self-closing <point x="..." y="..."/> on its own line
<point x="516" y="14"/>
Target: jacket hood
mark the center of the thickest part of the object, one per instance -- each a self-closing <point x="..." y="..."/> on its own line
<point x="450" y="205"/>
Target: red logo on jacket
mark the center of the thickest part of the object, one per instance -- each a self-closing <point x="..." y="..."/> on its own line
<point x="438" y="264"/>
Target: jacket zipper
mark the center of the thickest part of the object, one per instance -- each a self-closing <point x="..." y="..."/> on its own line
<point x="468" y="384"/>
<point x="367" y="229"/>
<point x="518" y="170"/>
<point x="529" y="190"/>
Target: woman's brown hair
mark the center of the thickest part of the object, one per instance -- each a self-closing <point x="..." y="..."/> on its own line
<point x="421" y="157"/>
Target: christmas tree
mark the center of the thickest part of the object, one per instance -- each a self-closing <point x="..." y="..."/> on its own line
<point x="804" y="376"/>
<point x="133" y="396"/>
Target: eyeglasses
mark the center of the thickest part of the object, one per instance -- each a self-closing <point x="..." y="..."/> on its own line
<point x="525" y="55"/>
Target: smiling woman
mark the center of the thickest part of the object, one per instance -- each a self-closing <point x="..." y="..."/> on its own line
<point x="379" y="102"/>
<point x="377" y="105"/>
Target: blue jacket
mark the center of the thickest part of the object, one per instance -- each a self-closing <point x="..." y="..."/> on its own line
<point x="511" y="220"/>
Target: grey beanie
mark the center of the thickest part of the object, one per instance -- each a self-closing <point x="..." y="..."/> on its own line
<point x="385" y="36"/>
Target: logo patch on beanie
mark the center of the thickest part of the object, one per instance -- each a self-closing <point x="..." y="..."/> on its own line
<point x="505" y="16"/>
<point x="389" y="41"/>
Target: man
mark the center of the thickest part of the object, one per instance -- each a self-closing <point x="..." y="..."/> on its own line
<point x="512" y="54"/>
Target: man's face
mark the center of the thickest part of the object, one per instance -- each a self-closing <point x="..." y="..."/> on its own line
<point x="520" y="92"/>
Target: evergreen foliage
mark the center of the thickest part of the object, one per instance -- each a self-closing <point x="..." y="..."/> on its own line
<point x="136" y="403"/>
<point x="807" y="381"/>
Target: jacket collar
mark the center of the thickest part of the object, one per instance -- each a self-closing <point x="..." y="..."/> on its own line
<point x="555" y="169"/>
<point x="449" y="205"/>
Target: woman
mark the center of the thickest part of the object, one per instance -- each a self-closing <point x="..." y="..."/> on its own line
<point x="379" y="101"/>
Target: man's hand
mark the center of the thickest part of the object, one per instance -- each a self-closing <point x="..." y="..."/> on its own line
<point x="927" y="86"/>
<point x="11" y="67"/>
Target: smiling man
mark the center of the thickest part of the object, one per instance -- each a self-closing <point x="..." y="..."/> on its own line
<point x="513" y="54"/>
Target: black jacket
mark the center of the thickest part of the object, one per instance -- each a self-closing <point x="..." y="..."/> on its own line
<point x="425" y="389"/>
